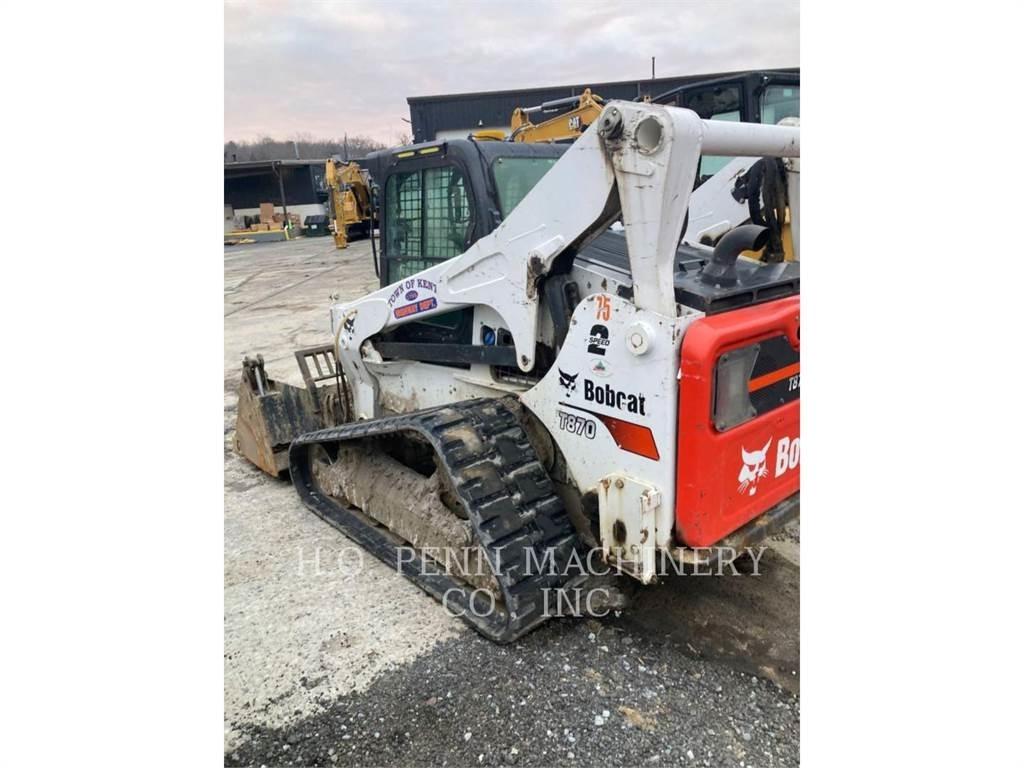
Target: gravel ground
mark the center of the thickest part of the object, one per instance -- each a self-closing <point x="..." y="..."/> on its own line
<point x="581" y="692"/>
<point x="305" y="617"/>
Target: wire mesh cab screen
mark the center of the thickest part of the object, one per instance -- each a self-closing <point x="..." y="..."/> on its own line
<point x="428" y="219"/>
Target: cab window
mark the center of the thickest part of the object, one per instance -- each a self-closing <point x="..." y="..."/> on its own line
<point x="514" y="177"/>
<point x="428" y="218"/>
<point x="778" y="102"/>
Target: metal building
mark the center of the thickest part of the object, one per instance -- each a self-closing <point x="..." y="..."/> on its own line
<point x="293" y="186"/>
<point x="456" y="115"/>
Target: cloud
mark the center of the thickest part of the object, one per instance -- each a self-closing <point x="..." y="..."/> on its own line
<point x="330" y="68"/>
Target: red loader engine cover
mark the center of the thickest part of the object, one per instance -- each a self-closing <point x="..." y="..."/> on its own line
<point x="739" y="419"/>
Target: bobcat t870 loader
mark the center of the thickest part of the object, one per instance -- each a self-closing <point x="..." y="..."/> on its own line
<point x="532" y="388"/>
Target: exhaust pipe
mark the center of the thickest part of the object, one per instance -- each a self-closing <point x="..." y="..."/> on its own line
<point x="721" y="270"/>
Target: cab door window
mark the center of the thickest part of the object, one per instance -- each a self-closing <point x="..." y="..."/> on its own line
<point x="779" y="101"/>
<point x="428" y="219"/>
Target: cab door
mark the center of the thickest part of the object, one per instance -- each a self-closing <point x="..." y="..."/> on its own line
<point x="428" y="217"/>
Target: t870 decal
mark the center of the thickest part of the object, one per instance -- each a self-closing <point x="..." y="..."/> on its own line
<point x="577" y="425"/>
<point x="635" y="438"/>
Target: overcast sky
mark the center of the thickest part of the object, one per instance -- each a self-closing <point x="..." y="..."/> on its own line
<point x="327" y="68"/>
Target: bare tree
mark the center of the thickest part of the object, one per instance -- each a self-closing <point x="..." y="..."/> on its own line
<point x="309" y="148"/>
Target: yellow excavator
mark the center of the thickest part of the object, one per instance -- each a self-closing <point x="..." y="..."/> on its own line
<point x="567" y="126"/>
<point x="349" y="200"/>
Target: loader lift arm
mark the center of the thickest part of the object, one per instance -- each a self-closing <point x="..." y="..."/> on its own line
<point x="644" y="152"/>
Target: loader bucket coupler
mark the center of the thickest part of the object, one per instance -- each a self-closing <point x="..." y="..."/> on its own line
<point x="271" y="414"/>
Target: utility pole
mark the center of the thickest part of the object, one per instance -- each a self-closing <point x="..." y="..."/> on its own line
<point x="652" y="67"/>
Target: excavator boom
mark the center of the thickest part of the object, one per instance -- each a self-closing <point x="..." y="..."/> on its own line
<point x="565" y="127"/>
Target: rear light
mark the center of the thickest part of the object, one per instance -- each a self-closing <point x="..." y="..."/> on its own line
<point x="732" y="387"/>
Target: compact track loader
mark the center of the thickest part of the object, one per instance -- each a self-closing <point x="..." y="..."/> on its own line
<point x="529" y="390"/>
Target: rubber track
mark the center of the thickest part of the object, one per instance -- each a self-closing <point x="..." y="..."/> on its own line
<point x="505" y="491"/>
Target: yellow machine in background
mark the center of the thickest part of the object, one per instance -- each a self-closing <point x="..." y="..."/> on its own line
<point x="349" y="202"/>
<point x="565" y="127"/>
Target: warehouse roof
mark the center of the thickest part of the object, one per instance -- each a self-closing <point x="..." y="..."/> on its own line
<point x="248" y="165"/>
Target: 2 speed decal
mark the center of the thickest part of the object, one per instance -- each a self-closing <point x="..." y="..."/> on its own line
<point x="597" y="341"/>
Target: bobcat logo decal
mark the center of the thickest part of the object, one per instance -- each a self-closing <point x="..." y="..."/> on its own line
<point x="755" y="466"/>
<point x="568" y="382"/>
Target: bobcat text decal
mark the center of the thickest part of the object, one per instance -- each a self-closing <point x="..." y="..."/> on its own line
<point x="604" y="394"/>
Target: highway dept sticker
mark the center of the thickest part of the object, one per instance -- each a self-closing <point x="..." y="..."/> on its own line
<point x="415" y="308"/>
<point x="415" y="290"/>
